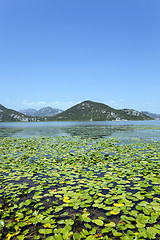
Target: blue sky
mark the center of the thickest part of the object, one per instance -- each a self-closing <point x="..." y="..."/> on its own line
<point x="61" y="52"/>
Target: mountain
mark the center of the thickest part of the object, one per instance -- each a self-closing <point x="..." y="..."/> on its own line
<point x="43" y="112"/>
<point x="93" y="111"/>
<point x="48" y="112"/>
<point x="152" y="115"/>
<point x="9" y="115"/>
<point x="85" y="111"/>
<point x="29" y="111"/>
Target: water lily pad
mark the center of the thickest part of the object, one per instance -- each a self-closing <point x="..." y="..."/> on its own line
<point x="140" y="225"/>
<point x="118" y="204"/>
<point x="111" y="224"/>
<point x="98" y="222"/>
<point x="69" y="184"/>
<point x="45" y="231"/>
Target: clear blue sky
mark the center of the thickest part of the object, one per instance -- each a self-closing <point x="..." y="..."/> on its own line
<point x="60" y="52"/>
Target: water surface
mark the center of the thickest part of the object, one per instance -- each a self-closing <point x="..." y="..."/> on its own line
<point x="121" y="129"/>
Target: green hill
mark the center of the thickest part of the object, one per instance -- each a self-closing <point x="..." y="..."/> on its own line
<point x="93" y="111"/>
<point x="85" y="111"/>
<point x="10" y="115"/>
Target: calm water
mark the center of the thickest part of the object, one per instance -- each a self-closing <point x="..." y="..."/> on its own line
<point x="120" y="129"/>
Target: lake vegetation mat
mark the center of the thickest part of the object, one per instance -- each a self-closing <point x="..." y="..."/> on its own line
<point x="79" y="188"/>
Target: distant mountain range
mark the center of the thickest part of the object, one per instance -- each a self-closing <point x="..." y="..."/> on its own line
<point x="152" y="115"/>
<point x="84" y="111"/>
<point x="10" y="115"/>
<point x="93" y="111"/>
<point x="43" y="112"/>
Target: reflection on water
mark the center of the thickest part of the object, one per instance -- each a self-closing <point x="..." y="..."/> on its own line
<point x="95" y="131"/>
<point x="123" y="130"/>
<point x="35" y="132"/>
<point x="9" y="132"/>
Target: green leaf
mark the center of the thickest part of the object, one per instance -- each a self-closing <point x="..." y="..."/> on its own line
<point x="36" y="237"/>
<point x="45" y="231"/>
<point x="28" y="202"/>
<point x="127" y="237"/>
<point x="91" y="237"/>
<point x="50" y="238"/>
<point x="117" y="234"/>
<point x="140" y="225"/>
<point x="151" y="232"/>
<point x="21" y="224"/>
<point x="87" y="225"/>
<point x="58" y="237"/>
<point x="21" y="237"/>
<point x="2" y="223"/>
<point x="128" y="225"/>
<point x="93" y="231"/>
<point x="19" y="215"/>
<point x="98" y="222"/>
<point x="111" y="224"/>
<point x="76" y="236"/>
<point x="58" y="209"/>
<point x="69" y="221"/>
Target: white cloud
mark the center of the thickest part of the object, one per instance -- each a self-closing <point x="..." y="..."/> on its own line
<point x="62" y="105"/>
<point x="112" y="102"/>
<point x="120" y="103"/>
<point x="33" y="104"/>
<point x="54" y="104"/>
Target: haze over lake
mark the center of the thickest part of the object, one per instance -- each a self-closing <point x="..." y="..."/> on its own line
<point x="121" y="129"/>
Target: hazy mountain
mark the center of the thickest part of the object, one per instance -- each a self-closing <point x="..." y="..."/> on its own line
<point x="93" y="111"/>
<point x="48" y="112"/>
<point x="29" y="111"/>
<point x="152" y="115"/>
<point x="43" y="112"/>
<point x="10" y="115"/>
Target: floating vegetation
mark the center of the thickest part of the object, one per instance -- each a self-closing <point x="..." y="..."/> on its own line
<point x="74" y="188"/>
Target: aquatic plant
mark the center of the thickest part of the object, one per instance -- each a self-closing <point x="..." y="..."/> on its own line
<point x="74" y="188"/>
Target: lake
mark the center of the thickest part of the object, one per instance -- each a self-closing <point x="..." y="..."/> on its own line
<point x="122" y="129"/>
<point x="85" y="187"/>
